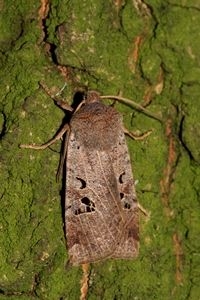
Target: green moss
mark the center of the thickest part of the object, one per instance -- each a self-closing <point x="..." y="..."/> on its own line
<point x="95" y="41"/>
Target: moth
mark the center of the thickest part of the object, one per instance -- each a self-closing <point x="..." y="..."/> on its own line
<point x="101" y="208"/>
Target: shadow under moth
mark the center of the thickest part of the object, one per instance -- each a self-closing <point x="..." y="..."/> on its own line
<point x="101" y="209"/>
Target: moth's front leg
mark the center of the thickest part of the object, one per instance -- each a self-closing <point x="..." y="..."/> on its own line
<point x="62" y="104"/>
<point x="58" y="136"/>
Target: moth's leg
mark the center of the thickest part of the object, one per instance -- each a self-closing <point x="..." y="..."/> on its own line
<point x="135" y="136"/>
<point x="64" y="129"/>
<point x="85" y="281"/>
<point x="62" y="104"/>
<point x="143" y="210"/>
<point x="63" y="155"/>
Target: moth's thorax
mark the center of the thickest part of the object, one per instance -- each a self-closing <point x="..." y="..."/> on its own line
<point x="92" y="96"/>
<point x="90" y="123"/>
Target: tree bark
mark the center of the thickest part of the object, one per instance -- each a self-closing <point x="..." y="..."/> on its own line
<point x="147" y="51"/>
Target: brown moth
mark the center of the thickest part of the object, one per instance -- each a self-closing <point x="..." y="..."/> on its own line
<point x="101" y="209"/>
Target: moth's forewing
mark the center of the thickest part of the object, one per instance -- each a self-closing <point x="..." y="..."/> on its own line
<point x="101" y="215"/>
<point x="128" y="245"/>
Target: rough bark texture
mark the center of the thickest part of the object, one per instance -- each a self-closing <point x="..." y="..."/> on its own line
<point x="146" y="50"/>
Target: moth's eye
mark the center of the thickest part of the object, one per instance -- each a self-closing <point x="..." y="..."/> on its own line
<point x="121" y="177"/>
<point x="82" y="182"/>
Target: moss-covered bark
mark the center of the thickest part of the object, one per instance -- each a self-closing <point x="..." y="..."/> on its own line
<point x="146" y="50"/>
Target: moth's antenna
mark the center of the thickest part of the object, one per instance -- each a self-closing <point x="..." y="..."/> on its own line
<point x="134" y="105"/>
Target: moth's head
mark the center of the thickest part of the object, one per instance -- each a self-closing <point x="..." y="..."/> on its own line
<point x="92" y="96"/>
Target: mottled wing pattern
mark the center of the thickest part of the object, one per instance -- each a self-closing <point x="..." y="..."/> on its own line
<point x="128" y="245"/>
<point x="94" y="220"/>
<point x="101" y="212"/>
